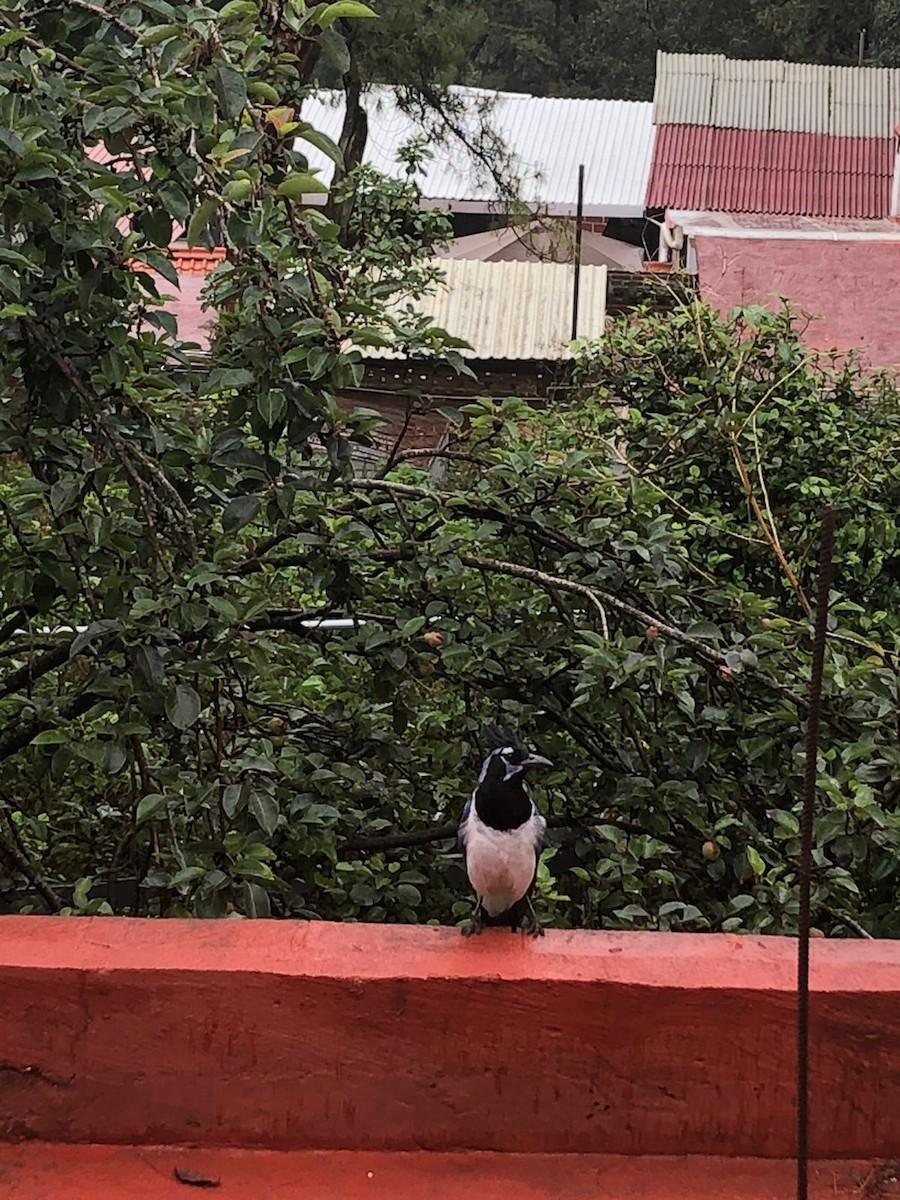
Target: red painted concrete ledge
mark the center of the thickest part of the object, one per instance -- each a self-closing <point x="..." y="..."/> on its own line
<point x="307" y="1037"/>
<point x="40" y="1172"/>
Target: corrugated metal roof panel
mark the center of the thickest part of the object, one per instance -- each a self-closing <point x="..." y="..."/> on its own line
<point x="893" y="91"/>
<point x="739" y="106"/>
<point x="546" y="139"/>
<point x="744" y="170"/>
<point x="799" y="102"/>
<point x="513" y="310"/>
<point x="684" y="88"/>
<point x="792" y="97"/>
<point x="860" y="102"/>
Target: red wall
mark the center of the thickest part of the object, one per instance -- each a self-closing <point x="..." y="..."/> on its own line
<point x="301" y="1035"/>
<point x="854" y="287"/>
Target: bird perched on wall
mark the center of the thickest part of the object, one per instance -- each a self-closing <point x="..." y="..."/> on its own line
<point x="501" y="834"/>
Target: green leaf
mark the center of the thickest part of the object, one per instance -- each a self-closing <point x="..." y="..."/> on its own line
<point x="363" y="894"/>
<point x="252" y="868"/>
<point x="175" y="202"/>
<point x="336" y="50"/>
<point x="264" y="809"/>
<point x="186" y="875"/>
<point x="221" y="379"/>
<point x="182" y="706"/>
<point x="344" y="10"/>
<point x="52" y="737"/>
<point x="12" y="141"/>
<point x="239" y="512"/>
<point x="200" y="220"/>
<point x="322" y="142"/>
<point x="231" y="92"/>
<point x="157" y="34"/>
<point x="149" y="662"/>
<point x="223" y="607"/>
<point x="256" y="900"/>
<point x="149" y="807"/>
<point x="17" y="259"/>
<point x="237" y="190"/>
<point x="232" y="798"/>
<point x="11" y="281"/>
<point x="157" y="225"/>
<point x="703" y="629"/>
<point x="409" y="894"/>
<point x="299" y="184"/>
<point x="161" y="264"/>
<point x="95" y="630"/>
<point x="115" y="758"/>
<point x="263" y="91"/>
<point x="238" y="10"/>
<point x="271" y="407"/>
<point x="757" y="866"/>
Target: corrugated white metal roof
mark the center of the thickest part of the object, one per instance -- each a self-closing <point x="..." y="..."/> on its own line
<point x="513" y="310"/>
<point x="683" y="94"/>
<point x="547" y="139"/>
<point x="709" y="89"/>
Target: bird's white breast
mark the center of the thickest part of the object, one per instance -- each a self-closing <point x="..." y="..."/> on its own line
<point x="500" y="863"/>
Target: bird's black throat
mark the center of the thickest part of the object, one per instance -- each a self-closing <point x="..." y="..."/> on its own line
<point x="502" y="804"/>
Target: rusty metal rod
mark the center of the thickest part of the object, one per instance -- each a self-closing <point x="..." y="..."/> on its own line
<point x="826" y="555"/>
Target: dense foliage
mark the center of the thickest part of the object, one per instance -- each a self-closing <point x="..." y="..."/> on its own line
<point x="624" y="578"/>
<point x="586" y="48"/>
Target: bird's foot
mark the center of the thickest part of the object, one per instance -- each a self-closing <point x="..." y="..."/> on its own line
<point x="532" y="927"/>
<point x="475" y="925"/>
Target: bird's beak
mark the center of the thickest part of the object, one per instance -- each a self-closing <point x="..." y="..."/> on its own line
<point x="537" y="760"/>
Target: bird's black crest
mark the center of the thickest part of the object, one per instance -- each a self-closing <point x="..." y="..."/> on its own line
<point x="494" y="737"/>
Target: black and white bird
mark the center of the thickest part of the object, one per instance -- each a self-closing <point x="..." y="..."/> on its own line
<point x="501" y="835"/>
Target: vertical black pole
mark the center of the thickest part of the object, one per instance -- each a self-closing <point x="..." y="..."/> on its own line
<point x="826" y="552"/>
<point x="579" y="220"/>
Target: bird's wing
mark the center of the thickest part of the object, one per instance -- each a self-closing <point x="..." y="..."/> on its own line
<point x="461" y="828"/>
<point x="540" y="832"/>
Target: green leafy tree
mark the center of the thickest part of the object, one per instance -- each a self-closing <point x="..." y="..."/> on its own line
<point x="131" y="475"/>
<point x="577" y="48"/>
<point x="626" y="578"/>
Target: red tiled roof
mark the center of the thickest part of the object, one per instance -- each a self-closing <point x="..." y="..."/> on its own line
<point x="195" y="261"/>
<point x="766" y="171"/>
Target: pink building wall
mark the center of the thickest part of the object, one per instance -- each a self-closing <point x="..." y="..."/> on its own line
<point x="852" y="287"/>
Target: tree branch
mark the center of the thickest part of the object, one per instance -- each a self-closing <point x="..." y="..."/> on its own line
<point x="442" y="833"/>
<point x="42" y="665"/>
<point x="20" y="860"/>
<point x="127" y="453"/>
<point x="16" y="739"/>
<point x="35" y="44"/>
<point x="97" y="11"/>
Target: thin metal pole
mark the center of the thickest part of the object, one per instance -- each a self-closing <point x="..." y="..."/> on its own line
<point x="579" y="221"/>
<point x="826" y="554"/>
<point x="862" y="46"/>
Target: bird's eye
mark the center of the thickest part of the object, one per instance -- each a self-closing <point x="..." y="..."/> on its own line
<point x="507" y="751"/>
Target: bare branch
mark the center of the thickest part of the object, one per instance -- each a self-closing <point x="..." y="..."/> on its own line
<point x="442" y="833"/>
<point x="96" y="11"/>
<point x="12" y="851"/>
